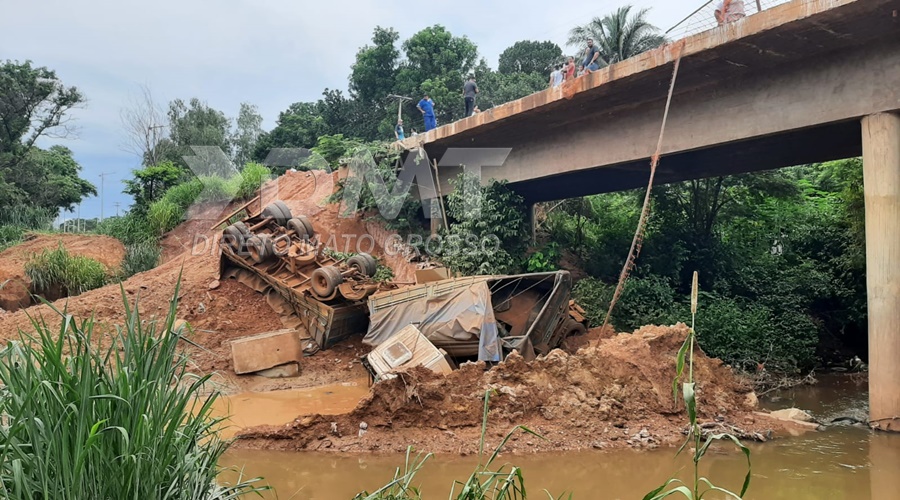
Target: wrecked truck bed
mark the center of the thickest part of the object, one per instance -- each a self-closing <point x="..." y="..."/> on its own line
<point x="483" y="317"/>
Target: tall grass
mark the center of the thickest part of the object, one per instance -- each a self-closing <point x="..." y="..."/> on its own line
<point x="700" y="485"/>
<point x="140" y="257"/>
<point x="122" y="422"/>
<point x="28" y="217"/>
<point x="483" y="484"/>
<point x="163" y="216"/>
<point x="253" y="176"/>
<point x="57" y="269"/>
<point x="130" y="229"/>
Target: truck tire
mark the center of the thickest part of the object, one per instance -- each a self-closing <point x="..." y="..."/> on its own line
<point x="309" y="227"/>
<point x="284" y="210"/>
<point x="260" y="248"/>
<point x="325" y="280"/>
<point x="299" y="228"/>
<point x="572" y="328"/>
<point x="274" y="211"/>
<point x="242" y="228"/>
<point x="234" y="238"/>
<point x="364" y="263"/>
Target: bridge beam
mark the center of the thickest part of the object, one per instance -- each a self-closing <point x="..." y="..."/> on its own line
<point x="881" y="174"/>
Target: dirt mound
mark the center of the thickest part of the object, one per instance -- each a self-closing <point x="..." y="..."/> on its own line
<point x="602" y="396"/>
<point x="16" y="287"/>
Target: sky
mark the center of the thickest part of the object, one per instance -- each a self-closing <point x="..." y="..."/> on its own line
<point x="270" y="53"/>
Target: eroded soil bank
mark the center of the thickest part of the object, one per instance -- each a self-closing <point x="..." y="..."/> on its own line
<point x="613" y="394"/>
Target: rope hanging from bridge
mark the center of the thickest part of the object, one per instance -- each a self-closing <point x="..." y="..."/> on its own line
<point x="645" y="210"/>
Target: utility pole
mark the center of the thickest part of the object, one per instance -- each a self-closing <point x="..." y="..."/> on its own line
<point x="401" y="99"/>
<point x="102" y="177"/>
<point x="117" y="204"/>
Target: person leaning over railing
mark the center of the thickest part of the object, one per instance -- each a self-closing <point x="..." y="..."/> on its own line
<point x="728" y="11"/>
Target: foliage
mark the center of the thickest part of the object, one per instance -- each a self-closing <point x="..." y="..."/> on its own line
<point x="373" y="74"/>
<point x="130" y="229"/>
<point x="248" y="128"/>
<point x="72" y="275"/>
<point x="125" y="421"/>
<point x="140" y="257"/>
<point x="48" y="179"/>
<point x="488" y="231"/>
<point x="253" y="176"/>
<point x="618" y="35"/>
<point x="529" y="56"/>
<point x="28" y="217"/>
<point x="163" y="216"/>
<point x="194" y="123"/>
<point x="34" y="103"/>
<point x="544" y="260"/>
<point x="150" y="183"/>
<point x="695" y="434"/>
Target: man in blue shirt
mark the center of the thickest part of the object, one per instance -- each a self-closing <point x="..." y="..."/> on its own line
<point x="426" y="106"/>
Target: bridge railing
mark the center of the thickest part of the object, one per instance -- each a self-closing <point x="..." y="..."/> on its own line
<point x="704" y="18"/>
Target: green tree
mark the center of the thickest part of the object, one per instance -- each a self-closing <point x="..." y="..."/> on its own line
<point x="193" y="124"/>
<point x="33" y="104"/>
<point x="436" y="62"/>
<point x="619" y="35"/>
<point x="248" y="128"/>
<point x="529" y="56"/>
<point x="150" y="183"/>
<point x="50" y="179"/>
<point x="299" y="126"/>
<point x="374" y="74"/>
<point x="498" y="88"/>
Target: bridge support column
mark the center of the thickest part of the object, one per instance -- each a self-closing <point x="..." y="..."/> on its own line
<point x="881" y="173"/>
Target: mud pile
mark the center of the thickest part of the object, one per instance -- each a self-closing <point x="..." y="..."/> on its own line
<point x="16" y="287"/>
<point x="617" y="393"/>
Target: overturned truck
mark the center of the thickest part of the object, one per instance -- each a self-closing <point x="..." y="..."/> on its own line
<point x="279" y="251"/>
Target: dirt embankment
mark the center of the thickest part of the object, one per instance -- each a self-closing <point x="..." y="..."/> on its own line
<point x="218" y="315"/>
<point x="615" y="394"/>
<point x="15" y="287"/>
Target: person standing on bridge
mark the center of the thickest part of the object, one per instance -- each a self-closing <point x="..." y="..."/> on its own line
<point x="569" y="70"/>
<point x="426" y="106"/>
<point x="469" y="91"/>
<point x="728" y="11"/>
<point x="591" y="54"/>
<point x="398" y="130"/>
<point x="557" y="76"/>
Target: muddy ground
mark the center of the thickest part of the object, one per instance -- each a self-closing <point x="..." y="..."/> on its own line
<point x="612" y="394"/>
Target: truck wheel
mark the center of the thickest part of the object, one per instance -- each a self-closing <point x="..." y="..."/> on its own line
<point x="234" y="238"/>
<point x="309" y="227"/>
<point x="274" y="211"/>
<point x="297" y="226"/>
<point x="364" y="263"/>
<point x="284" y="209"/>
<point x="572" y="328"/>
<point x="260" y="248"/>
<point x="325" y="280"/>
<point x="242" y="228"/>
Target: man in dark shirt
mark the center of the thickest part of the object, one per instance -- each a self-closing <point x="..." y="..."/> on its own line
<point x="591" y="54"/>
<point x="469" y="91"/>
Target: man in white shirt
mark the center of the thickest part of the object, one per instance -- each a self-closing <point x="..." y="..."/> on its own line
<point x="556" y="77"/>
<point x="729" y="11"/>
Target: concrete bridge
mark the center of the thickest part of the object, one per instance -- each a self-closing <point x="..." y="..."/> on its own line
<point x="803" y="82"/>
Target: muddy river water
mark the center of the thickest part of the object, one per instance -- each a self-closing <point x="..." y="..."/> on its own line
<point x="842" y="462"/>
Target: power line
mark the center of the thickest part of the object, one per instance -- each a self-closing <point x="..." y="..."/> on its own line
<point x="102" y="178"/>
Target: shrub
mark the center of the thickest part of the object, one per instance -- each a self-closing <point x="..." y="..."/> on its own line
<point x="182" y="195"/>
<point x="57" y="269"/>
<point x="163" y="216"/>
<point x="130" y="229"/>
<point x="140" y="257"/>
<point x="253" y="176"/>
<point x="10" y="235"/>
<point x="28" y="217"/>
<point x="126" y="421"/>
<point x="644" y="301"/>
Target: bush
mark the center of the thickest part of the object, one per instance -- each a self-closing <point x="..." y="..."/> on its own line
<point x="182" y="195"/>
<point x="163" y="216"/>
<point x="126" y="421"/>
<point x="10" y="235"/>
<point x="28" y="217"/>
<point x="140" y="257"/>
<point x="57" y="269"/>
<point x="130" y="229"/>
<point x="253" y="176"/>
<point x="644" y="301"/>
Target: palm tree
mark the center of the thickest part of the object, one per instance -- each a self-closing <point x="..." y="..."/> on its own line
<point x="618" y="35"/>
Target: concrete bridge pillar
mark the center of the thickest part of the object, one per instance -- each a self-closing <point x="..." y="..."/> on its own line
<point x="881" y="173"/>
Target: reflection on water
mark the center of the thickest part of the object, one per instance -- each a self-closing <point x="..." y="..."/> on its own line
<point x="842" y="462"/>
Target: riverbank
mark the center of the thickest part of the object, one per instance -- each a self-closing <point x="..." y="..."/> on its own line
<point x="611" y="394"/>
